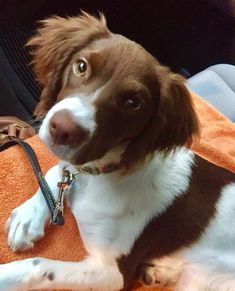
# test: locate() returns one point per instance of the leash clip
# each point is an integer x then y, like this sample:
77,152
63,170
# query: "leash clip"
64,187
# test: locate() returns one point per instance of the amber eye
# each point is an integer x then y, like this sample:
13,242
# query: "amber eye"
80,67
133,103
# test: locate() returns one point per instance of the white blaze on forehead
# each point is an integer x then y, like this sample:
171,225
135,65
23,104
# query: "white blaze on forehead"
81,108
82,111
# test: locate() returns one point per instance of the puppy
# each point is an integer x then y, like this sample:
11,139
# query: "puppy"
146,206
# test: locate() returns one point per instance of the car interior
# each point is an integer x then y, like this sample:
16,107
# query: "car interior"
195,38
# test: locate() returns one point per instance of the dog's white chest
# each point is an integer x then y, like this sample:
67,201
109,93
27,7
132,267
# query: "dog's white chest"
109,216
112,210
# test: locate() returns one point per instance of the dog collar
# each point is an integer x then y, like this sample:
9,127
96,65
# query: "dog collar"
95,170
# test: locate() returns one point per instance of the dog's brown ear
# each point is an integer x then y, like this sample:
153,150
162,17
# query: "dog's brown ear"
176,117
173,124
53,47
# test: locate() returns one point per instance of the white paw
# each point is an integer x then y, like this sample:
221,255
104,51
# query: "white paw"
26,225
158,276
149,276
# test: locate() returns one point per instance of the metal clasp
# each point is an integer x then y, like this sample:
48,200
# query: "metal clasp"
64,186
3,137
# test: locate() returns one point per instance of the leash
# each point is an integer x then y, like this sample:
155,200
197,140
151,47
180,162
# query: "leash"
56,208
12,132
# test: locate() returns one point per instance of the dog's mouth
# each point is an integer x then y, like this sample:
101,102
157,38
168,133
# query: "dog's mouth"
93,150
91,147
71,153
88,151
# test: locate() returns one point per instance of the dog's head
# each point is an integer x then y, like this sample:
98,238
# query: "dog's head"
102,90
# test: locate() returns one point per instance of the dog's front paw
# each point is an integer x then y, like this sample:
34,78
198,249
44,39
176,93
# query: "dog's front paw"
26,225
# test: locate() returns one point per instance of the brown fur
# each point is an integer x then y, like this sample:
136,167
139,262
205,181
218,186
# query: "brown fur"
184,221
125,69
53,47
122,69
173,124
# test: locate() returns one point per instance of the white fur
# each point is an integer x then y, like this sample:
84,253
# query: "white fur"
128,203
111,211
209,264
214,255
82,112
102,205
24,229
165,271
30,274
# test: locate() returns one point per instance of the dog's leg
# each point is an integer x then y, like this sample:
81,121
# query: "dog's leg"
202,277
39,273
26,223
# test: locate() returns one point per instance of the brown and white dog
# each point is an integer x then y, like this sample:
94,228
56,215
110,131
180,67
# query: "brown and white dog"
156,210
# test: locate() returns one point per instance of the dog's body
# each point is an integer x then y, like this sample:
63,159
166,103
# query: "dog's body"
164,214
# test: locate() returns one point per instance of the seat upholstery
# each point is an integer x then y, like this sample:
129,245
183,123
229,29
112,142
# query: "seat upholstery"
216,84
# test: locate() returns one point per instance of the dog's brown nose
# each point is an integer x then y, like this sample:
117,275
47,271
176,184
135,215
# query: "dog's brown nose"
64,130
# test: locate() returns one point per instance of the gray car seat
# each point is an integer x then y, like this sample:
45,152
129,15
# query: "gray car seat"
216,84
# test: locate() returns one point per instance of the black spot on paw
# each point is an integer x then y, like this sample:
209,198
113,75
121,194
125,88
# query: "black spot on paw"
36,262
49,275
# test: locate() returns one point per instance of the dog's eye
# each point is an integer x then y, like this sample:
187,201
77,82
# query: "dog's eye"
80,67
133,103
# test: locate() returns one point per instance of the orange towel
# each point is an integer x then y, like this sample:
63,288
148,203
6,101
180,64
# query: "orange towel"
17,184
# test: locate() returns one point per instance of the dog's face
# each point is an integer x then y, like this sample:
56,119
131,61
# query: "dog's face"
102,90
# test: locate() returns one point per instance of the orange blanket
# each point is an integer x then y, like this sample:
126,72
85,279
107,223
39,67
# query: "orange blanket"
17,183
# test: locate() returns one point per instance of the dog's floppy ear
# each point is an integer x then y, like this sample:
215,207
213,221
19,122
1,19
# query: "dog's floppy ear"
53,47
176,117
174,122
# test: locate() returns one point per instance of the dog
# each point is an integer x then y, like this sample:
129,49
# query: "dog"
146,206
